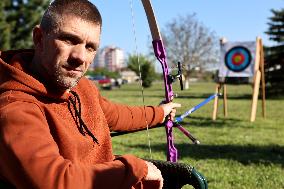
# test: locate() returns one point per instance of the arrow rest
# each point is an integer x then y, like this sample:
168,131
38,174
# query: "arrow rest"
172,78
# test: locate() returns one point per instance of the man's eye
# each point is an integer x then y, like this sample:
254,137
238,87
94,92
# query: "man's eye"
69,41
91,48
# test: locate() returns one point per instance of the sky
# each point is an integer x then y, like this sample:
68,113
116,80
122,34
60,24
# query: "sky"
237,20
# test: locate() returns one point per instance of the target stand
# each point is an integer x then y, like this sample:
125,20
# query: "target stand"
242,60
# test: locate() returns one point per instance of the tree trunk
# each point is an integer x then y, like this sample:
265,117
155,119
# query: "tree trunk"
186,81
186,84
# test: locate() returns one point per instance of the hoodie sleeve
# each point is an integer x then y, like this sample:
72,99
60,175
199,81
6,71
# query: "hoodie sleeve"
126,118
30,158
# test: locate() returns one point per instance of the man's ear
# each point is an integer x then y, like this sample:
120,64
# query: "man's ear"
37,37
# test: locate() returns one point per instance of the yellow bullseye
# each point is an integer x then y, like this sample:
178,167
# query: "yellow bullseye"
237,58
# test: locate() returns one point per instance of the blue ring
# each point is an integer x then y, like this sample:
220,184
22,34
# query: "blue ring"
238,49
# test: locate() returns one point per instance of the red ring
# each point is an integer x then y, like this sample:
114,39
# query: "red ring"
238,59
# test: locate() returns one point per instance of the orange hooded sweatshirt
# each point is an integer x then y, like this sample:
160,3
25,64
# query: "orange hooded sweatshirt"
44,143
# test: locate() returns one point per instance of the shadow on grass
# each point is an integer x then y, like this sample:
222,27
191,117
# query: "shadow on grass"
203,96
245,154
206,95
194,122
198,121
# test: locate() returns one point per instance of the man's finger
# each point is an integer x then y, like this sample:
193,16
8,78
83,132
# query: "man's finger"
175,105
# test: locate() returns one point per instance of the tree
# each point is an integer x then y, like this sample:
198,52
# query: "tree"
4,28
146,67
274,55
18,17
190,42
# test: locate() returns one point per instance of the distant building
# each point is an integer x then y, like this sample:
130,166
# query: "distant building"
129,76
111,58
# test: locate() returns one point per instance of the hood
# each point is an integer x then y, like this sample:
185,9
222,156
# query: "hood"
15,75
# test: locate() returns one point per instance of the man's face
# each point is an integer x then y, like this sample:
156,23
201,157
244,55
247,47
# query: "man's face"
67,53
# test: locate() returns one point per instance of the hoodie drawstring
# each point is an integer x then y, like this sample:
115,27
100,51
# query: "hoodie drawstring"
77,116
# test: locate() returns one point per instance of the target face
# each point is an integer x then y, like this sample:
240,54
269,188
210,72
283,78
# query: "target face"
238,58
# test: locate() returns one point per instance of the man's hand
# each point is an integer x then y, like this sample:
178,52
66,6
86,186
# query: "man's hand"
154,175
170,109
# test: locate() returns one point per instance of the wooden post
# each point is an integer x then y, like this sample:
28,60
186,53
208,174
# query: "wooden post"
225,100
219,86
259,75
255,96
262,80
215,109
257,58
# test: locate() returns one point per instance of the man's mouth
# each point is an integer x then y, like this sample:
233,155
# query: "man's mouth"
73,71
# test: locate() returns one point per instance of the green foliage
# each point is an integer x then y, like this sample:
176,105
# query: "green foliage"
274,56
276,26
147,69
234,153
103,71
17,20
4,28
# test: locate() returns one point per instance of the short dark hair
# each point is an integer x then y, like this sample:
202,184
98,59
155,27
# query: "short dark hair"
79,8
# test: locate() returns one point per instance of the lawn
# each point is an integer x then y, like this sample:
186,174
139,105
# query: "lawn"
234,153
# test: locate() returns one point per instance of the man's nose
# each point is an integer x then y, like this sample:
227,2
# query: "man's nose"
79,54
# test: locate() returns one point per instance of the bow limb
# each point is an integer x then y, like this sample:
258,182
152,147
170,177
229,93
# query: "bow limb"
160,54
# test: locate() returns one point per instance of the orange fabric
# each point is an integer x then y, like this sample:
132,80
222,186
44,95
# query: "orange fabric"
40,144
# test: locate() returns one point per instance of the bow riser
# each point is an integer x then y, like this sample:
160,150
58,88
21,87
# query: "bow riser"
160,54
172,153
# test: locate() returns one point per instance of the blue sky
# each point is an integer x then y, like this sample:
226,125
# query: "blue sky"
237,20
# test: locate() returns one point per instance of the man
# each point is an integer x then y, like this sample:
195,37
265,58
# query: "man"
54,124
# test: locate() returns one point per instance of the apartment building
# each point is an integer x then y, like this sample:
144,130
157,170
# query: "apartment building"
110,57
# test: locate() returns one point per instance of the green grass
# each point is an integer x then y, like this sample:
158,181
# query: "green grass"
234,153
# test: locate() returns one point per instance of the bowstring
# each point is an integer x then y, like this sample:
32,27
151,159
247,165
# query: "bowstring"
140,75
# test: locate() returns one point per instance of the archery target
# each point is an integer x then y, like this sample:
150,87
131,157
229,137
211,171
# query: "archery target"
237,59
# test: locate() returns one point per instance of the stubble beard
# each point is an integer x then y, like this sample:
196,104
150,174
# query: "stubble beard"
64,81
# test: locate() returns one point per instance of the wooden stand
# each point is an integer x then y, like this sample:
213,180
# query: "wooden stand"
218,89
258,76
258,81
